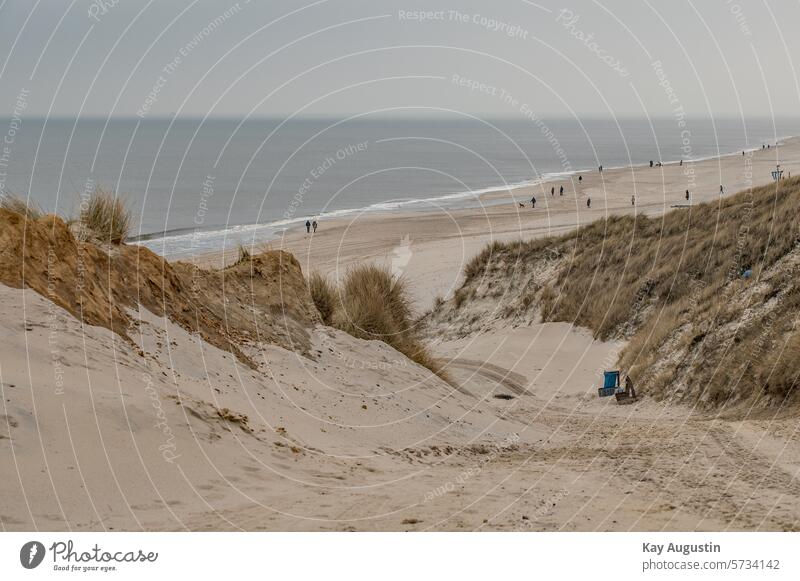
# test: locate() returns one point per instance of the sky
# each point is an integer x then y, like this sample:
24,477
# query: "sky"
336,58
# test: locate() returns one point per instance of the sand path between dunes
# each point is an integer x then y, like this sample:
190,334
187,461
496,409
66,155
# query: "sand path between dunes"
328,446
580,463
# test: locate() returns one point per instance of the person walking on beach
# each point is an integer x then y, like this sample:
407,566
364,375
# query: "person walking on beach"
721,190
561,191
588,202
651,163
633,199
533,202
553,191
308,226
580,178
314,225
687,195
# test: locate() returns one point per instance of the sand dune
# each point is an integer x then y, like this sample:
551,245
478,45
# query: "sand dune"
309,444
167,427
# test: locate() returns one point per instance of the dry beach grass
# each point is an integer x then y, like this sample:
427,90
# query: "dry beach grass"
706,295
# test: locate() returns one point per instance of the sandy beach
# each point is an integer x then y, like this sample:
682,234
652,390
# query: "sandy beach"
430,247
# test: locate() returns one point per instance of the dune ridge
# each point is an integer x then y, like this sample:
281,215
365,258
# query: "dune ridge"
706,296
263,298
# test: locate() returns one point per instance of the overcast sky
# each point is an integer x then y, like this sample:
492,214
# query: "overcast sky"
336,57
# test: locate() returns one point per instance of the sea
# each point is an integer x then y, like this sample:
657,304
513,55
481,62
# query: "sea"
199,185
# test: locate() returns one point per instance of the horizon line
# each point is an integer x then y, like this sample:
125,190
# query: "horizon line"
437,116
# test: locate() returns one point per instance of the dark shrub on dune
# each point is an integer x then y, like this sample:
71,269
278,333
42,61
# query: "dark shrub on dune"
106,217
373,304
323,293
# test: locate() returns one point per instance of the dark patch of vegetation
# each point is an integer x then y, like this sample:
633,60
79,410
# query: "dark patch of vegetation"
106,217
371,303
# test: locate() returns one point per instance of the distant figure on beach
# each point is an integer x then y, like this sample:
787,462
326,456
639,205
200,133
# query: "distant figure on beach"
762,146
681,163
580,178
533,202
687,195
742,153
767,145
553,191
633,199
651,163
721,189
308,226
561,191
601,169
588,202
314,225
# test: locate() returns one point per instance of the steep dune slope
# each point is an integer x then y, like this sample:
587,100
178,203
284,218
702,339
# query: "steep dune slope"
95,436
708,296
264,298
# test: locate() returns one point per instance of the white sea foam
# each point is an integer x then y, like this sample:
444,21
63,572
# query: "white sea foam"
185,243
